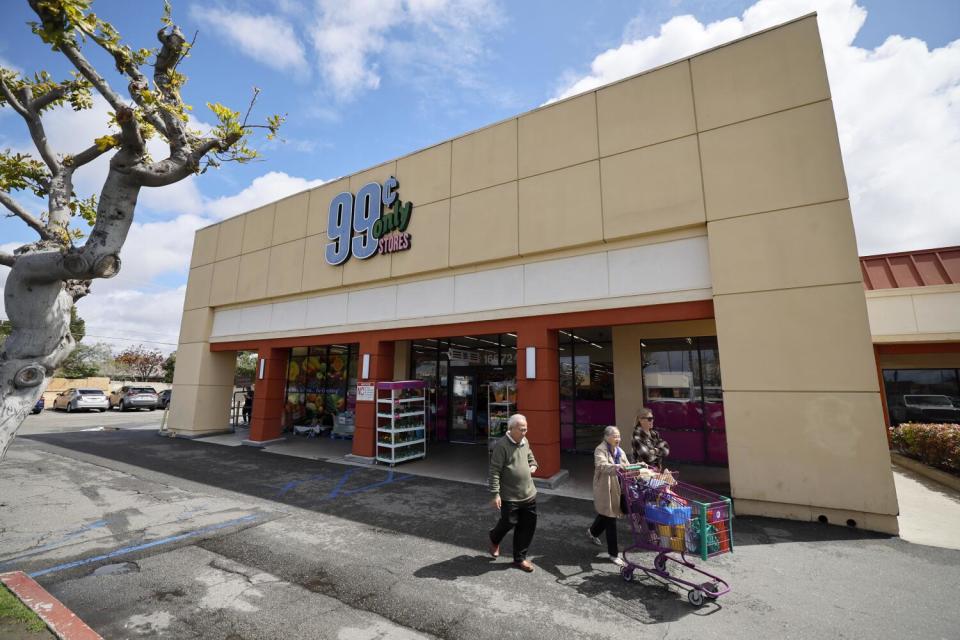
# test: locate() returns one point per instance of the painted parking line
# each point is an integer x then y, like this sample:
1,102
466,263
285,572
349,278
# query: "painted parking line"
338,489
146,545
343,479
389,479
293,484
62,541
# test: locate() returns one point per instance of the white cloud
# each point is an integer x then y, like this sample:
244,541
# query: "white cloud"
6,64
125,317
429,37
897,108
267,39
265,189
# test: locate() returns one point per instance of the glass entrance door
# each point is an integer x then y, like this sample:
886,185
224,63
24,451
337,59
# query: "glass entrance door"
463,406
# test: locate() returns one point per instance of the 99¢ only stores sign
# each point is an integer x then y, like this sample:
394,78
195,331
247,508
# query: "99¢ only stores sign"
374,222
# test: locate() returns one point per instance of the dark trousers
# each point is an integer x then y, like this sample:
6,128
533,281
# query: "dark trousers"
608,524
523,516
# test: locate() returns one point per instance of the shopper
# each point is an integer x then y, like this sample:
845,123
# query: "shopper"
247,404
648,446
511,482
607,458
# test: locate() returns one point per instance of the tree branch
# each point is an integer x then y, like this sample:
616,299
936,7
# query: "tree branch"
12,99
174,168
22,105
24,215
87,71
173,48
39,104
7,259
89,154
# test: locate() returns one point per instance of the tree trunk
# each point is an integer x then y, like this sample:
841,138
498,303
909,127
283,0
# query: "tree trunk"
42,286
39,342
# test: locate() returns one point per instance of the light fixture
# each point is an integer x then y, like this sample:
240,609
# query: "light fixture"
531,363
263,364
366,366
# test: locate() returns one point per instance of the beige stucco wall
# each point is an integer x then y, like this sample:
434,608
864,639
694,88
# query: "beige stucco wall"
739,142
915,314
805,424
202,380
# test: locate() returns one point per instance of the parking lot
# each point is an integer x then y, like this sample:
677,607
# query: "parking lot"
145,536
50,421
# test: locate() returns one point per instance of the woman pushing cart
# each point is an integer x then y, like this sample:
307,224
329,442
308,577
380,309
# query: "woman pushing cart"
675,519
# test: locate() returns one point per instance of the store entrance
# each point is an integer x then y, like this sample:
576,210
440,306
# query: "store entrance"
470,396
463,405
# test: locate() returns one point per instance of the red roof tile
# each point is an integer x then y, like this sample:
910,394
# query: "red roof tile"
911,268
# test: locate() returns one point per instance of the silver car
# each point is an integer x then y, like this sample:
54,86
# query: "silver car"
81,400
134,398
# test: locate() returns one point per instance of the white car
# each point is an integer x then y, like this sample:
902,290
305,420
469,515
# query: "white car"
81,400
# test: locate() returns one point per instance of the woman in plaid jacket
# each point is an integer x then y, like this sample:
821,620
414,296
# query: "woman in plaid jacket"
648,446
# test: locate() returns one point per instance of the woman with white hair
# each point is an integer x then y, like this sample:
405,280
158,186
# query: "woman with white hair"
607,458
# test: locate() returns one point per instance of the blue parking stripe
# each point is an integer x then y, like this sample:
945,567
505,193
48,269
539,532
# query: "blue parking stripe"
67,537
293,484
147,545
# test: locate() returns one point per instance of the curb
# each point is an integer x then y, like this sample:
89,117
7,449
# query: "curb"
940,477
61,621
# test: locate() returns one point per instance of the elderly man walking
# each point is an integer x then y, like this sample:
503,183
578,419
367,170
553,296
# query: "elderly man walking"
511,482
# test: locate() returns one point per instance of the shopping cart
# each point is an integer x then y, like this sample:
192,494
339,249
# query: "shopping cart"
675,519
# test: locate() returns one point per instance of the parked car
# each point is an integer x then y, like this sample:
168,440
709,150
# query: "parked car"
37,408
164,399
126,398
81,400
929,408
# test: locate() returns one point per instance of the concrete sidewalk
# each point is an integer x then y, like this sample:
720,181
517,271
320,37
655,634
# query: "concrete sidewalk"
929,511
466,463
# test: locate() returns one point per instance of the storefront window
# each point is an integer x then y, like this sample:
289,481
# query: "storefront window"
921,395
586,387
682,386
320,380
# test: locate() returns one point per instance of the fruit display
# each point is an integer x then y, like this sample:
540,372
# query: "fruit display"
319,382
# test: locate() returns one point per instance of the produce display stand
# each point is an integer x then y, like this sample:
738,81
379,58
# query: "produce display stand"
401,427
501,404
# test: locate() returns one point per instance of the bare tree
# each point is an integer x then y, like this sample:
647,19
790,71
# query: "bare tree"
49,275
143,363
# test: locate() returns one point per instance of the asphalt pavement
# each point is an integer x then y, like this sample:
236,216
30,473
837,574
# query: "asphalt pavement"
146,536
50,421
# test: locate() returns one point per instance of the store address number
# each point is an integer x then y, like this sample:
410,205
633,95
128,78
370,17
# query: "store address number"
359,226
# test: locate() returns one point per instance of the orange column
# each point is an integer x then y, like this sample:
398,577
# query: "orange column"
268,397
381,370
539,399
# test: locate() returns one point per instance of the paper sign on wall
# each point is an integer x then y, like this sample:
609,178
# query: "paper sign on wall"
365,392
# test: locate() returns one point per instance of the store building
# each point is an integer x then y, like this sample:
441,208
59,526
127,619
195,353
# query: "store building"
913,301
681,239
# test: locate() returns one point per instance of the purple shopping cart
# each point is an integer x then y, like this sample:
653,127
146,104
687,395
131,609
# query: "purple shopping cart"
675,520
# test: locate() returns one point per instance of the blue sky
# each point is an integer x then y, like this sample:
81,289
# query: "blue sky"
365,82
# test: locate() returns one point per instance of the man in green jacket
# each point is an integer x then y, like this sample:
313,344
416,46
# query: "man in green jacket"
511,482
